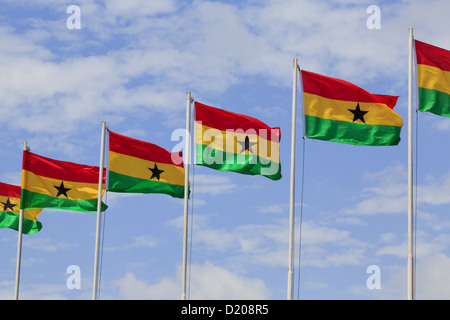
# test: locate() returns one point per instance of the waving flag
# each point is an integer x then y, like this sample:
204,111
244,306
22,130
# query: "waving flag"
10,211
228,141
336,110
137,166
433,76
49,183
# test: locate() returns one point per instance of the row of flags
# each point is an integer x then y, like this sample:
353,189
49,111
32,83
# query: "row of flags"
136,166
334,110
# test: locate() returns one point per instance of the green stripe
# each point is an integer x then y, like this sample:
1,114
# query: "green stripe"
246,164
33,200
127,184
434,101
11,220
351,133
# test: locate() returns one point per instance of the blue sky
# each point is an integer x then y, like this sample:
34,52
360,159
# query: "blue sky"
131,64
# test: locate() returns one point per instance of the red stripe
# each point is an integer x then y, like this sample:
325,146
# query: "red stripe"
432,56
337,89
227,120
60,170
9,190
141,149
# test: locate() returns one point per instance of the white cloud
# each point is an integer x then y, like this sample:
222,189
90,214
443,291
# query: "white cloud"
141,241
432,272
136,8
133,289
6,290
399,250
46,244
267,244
274,208
43,292
388,237
351,221
37,291
205,47
316,234
436,191
213,282
323,247
213,184
388,193
207,282
145,241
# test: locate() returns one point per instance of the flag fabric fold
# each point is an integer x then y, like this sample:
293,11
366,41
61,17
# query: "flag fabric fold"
10,211
229,141
137,166
339,111
433,77
49,183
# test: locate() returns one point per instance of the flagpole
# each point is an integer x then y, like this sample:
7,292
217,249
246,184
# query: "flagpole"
290,286
186,194
410,169
19,240
99,211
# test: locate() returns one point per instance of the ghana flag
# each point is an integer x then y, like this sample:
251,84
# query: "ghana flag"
433,76
137,166
49,183
228,141
336,110
10,211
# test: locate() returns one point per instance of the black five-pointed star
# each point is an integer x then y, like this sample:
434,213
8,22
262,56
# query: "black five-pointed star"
247,145
358,114
156,173
8,205
61,190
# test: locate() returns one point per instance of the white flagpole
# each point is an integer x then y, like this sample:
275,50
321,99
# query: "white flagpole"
410,169
99,211
290,285
186,194
19,240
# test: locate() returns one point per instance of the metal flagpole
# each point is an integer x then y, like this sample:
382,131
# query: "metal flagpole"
410,169
99,211
186,193
290,286
19,238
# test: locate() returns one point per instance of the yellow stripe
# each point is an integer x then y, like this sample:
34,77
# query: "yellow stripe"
28,213
13,201
230,141
378,113
44,185
139,168
433,78
32,214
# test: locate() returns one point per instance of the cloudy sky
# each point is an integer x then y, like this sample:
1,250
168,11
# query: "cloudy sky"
131,64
